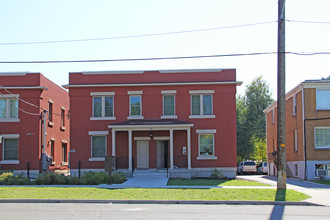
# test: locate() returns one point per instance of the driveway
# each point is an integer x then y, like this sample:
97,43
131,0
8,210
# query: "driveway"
320,193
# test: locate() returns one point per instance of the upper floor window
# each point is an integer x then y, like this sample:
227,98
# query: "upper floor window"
295,140
294,105
135,105
8,108
63,118
322,99
50,110
169,104
103,106
322,137
273,116
201,104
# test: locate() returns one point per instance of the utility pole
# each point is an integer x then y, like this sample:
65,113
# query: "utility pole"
281,122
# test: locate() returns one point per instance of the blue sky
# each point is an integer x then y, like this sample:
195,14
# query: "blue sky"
35,21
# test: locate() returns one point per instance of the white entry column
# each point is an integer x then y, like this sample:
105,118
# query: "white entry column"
171,150
130,150
189,148
113,142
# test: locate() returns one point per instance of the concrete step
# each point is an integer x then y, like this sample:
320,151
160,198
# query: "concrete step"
152,174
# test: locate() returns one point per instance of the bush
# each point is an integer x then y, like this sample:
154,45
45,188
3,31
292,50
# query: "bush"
8,178
94,178
217,174
118,177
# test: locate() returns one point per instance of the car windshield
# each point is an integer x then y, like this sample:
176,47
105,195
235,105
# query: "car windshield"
249,163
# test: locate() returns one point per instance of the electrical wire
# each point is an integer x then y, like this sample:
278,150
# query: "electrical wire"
26,112
29,103
161,58
137,36
310,22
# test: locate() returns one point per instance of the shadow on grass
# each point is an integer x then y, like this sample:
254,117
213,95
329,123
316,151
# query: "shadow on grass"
278,210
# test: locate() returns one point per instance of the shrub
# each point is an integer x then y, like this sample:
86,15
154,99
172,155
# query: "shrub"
94,178
9,178
118,177
217,174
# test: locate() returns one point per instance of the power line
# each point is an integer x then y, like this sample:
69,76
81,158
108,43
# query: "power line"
310,22
29,103
161,58
26,112
137,36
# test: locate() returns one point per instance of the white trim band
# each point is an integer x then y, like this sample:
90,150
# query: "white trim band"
134,92
206,131
201,91
102,93
98,133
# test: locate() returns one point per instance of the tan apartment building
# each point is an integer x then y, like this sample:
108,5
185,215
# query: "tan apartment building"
307,131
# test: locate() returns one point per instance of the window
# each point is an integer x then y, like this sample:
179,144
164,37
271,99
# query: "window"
50,111
52,149
201,104
135,105
10,149
168,105
103,106
322,137
296,169
8,109
294,105
98,146
64,152
295,140
62,118
206,144
273,116
322,99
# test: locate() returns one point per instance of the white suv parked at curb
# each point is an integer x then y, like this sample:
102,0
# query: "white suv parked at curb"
247,167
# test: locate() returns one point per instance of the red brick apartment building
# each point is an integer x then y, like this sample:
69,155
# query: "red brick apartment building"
24,97
307,130
184,120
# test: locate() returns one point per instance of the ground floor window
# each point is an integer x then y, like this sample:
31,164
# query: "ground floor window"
98,146
322,137
206,144
322,169
10,149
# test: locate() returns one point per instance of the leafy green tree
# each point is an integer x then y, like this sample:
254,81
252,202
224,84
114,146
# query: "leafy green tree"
251,120
326,77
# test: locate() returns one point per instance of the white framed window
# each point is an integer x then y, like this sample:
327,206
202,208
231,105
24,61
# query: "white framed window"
169,105
322,137
294,105
135,107
8,108
10,149
202,104
295,140
98,146
322,99
103,106
206,145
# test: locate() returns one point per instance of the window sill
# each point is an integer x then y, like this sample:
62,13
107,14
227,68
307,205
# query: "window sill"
95,159
135,117
102,118
9,120
207,158
63,128
201,116
9,162
322,148
169,117
50,124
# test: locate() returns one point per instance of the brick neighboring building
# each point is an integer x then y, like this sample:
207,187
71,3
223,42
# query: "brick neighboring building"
184,120
307,130
21,127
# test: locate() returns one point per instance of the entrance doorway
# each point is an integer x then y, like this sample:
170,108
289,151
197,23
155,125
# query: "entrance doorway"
162,154
143,154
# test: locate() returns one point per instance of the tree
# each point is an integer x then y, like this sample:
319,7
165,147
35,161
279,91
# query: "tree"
326,77
251,120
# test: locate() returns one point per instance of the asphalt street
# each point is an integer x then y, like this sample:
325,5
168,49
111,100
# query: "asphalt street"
29,211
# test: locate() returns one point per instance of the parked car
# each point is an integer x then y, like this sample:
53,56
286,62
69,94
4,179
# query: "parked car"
262,168
247,167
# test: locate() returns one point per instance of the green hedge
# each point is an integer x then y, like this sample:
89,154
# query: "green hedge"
90,178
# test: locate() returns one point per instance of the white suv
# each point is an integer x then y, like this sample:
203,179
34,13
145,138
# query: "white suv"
247,167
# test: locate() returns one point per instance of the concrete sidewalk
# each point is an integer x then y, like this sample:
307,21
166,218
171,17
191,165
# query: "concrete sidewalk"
320,193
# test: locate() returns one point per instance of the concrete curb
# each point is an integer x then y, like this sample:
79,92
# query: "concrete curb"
191,202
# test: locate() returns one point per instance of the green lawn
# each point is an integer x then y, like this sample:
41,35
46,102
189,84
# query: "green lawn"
149,194
326,182
212,182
